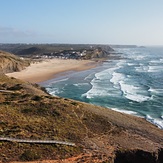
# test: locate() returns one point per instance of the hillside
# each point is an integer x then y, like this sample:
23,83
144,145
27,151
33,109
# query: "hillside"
70,51
28,49
11,63
29,113
100,134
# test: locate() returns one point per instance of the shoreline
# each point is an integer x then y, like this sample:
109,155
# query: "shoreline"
50,68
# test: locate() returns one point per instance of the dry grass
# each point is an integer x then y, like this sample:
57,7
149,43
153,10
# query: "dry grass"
30,113
10,63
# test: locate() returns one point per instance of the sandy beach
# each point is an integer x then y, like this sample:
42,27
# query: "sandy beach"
49,68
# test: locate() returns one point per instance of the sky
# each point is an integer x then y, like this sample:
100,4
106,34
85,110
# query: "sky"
132,22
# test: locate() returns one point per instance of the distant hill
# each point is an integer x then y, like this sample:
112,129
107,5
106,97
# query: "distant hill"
29,51
40,49
10,63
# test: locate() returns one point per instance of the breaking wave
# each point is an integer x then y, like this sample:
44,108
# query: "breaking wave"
131,85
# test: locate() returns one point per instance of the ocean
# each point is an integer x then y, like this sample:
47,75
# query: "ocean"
132,84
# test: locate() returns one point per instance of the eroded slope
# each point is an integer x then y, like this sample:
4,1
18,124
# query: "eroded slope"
11,63
27,112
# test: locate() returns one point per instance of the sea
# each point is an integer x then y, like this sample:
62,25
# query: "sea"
131,84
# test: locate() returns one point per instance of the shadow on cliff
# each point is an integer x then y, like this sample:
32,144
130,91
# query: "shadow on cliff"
138,156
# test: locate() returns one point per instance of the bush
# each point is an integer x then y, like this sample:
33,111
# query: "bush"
27,110
15,87
30,155
36,98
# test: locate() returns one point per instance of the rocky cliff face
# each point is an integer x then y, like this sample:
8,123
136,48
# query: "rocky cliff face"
11,63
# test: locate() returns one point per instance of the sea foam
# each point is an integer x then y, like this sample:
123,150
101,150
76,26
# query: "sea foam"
154,90
100,84
157,122
133,93
116,77
142,68
155,68
124,111
81,84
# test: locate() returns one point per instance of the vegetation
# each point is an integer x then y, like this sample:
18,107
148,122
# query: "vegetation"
29,49
100,135
39,116
11,63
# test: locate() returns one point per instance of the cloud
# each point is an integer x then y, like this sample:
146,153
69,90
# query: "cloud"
14,35
13,32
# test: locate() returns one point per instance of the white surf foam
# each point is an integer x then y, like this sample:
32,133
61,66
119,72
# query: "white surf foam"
121,63
142,68
80,84
94,93
157,61
116,77
152,90
88,77
157,122
124,111
155,68
130,64
132,92
53,91
59,80
105,74
138,57
100,84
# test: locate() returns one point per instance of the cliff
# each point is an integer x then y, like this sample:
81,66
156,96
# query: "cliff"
11,63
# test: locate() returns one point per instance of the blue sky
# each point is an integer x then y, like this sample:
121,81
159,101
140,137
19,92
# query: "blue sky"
137,22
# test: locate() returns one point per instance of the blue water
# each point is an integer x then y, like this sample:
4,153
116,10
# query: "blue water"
132,85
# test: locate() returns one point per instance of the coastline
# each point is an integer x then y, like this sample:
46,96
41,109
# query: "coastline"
49,68
41,112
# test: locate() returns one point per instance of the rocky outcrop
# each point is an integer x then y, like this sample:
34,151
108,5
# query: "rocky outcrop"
98,53
11,63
